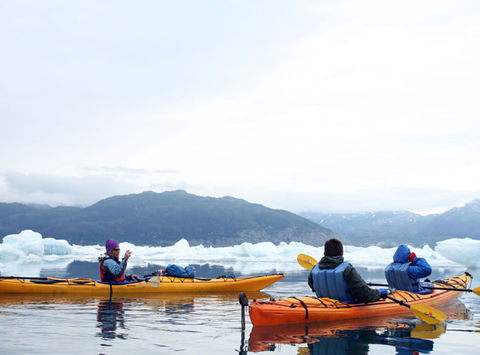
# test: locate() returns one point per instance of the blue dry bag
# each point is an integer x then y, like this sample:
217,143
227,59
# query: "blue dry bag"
175,270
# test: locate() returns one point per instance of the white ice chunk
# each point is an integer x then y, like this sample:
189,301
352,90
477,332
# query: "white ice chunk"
28,247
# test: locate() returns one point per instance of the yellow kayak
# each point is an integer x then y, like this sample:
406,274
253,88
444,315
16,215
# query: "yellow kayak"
156,284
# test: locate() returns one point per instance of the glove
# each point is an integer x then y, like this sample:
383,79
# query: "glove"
412,256
385,292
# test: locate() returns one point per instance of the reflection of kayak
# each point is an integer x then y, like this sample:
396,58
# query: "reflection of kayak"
162,284
150,299
307,332
341,335
306,309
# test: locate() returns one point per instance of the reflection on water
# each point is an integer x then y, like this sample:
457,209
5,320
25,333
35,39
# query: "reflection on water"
358,341
355,336
110,315
324,338
210,324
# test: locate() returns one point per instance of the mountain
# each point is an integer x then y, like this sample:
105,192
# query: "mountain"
393,228
162,219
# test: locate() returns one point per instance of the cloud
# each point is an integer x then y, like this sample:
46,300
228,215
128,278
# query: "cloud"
352,105
126,171
60,190
84,190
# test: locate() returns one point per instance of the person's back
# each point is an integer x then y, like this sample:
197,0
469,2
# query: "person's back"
334,278
406,270
328,279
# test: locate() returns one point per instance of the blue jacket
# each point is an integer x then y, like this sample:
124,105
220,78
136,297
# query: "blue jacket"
404,274
113,270
111,267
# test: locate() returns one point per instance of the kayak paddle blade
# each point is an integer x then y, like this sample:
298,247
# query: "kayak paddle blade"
154,281
476,291
306,261
428,314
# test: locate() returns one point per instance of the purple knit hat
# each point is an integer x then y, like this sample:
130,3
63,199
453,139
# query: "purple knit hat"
110,245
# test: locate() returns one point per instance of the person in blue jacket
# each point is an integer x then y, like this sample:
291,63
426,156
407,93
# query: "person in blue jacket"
406,270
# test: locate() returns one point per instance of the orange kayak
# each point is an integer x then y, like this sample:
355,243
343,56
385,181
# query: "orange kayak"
308,309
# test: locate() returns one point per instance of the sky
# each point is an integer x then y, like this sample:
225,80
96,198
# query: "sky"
329,106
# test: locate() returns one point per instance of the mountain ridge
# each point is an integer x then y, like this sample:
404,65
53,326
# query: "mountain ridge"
151,218
389,228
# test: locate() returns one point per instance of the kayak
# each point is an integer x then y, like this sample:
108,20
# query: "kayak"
308,309
155,284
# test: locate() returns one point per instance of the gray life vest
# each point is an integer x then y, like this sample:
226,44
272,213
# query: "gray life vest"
330,283
397,277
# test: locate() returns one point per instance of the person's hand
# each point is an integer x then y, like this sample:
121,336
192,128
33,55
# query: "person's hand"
134,277
127,254
385,292
412,256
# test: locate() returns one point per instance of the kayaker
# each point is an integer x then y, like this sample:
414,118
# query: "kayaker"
334,278
111,269
406,270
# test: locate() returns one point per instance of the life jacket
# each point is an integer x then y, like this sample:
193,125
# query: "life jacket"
108,277
330,283
397,277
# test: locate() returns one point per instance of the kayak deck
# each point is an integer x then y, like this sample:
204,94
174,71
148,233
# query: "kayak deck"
156,284
306,309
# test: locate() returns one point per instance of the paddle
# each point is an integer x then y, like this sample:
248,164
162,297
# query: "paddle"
306,261
46,280
38,278
426,313
154,281
476,290
309,262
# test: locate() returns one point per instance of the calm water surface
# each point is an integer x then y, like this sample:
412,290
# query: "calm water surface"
210,324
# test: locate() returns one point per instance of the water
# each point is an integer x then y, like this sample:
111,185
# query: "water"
210,324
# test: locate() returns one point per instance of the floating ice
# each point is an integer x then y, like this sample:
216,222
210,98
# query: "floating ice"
464,251
29,251
53,246
27,244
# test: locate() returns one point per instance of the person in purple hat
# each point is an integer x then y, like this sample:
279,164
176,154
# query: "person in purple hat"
111,268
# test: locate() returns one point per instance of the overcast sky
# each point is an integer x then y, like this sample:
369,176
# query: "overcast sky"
334,106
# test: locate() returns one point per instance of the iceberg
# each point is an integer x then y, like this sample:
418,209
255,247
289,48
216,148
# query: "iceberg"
464,251
29,251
